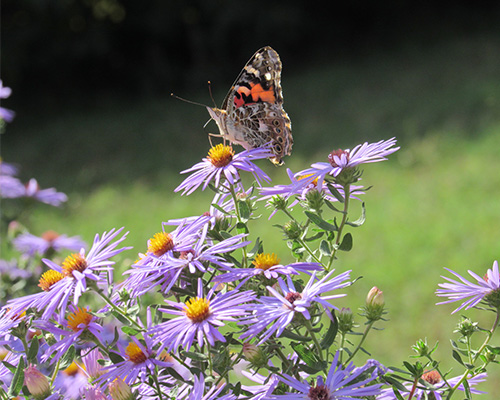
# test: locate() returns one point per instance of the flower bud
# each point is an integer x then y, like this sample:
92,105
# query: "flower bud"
466,327
278,202
37,383
255,355
292,230
346,320
375,303
119,390
314,200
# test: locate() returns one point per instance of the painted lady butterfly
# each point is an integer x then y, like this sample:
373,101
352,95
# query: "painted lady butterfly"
252,113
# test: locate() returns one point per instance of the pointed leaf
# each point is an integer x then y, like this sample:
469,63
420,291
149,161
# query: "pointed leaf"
335,193
324,248
330,335
33,350
17,380
244,211
316,219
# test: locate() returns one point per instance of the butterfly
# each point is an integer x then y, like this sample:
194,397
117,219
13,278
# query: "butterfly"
252,114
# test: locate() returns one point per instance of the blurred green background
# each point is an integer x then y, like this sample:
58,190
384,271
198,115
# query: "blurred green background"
91,87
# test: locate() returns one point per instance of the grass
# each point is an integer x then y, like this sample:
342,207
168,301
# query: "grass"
434,204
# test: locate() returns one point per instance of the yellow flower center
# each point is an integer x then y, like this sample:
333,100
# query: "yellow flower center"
220,155
265,261
48,279
72,370
197,309
79,316
135,354
314,182
74,262
160,243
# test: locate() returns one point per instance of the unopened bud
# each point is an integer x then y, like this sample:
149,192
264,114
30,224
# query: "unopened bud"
292,230
119,390
346,320
255,355
374,304
278,202
37,383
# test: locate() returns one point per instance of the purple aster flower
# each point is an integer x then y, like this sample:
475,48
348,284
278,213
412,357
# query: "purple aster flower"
5,114
10,269
223,163
70,279
71,381
93,393
167,270
139,360
437,388
8,168
340,383
268,266
48,196
81,326
487,288
92,367
164,255
301,185
200,318
279,310
11,187
50,240
265,385
344,159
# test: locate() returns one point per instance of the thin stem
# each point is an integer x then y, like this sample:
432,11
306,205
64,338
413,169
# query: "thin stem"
474,359
238,217
347,196
119,311
157,383
309,328
365,334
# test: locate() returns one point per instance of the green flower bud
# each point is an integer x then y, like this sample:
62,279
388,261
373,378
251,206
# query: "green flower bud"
293,230
375,303
346,320
255,355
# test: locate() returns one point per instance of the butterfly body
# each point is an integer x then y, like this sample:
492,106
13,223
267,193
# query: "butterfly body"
252,114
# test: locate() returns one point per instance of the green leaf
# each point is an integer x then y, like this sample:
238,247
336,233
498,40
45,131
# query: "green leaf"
257,248
17,380
324,248
332,207
361,220
335,193
33,350
195,356
241,227
115,358
316,219
129,330
305,354
346,244
330,335
244,211
290,335
457,357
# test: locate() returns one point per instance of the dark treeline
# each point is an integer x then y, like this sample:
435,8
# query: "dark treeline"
156,46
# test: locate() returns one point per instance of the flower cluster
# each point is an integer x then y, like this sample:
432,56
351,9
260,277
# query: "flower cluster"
204,312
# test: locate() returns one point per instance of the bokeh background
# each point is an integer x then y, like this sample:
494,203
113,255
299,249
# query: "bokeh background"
91,84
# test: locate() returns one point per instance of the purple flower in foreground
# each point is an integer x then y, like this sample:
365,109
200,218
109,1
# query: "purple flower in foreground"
344,159
487,288
268,266
340,383
139,361
200,318
222,163
50,240
5,114
81,324
438,387
70,279
278,311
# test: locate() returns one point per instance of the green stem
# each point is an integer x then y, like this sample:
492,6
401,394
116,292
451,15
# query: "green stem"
347,194
119,311
309,328
474,359
311,253
238,217
365,334
54,374
157,383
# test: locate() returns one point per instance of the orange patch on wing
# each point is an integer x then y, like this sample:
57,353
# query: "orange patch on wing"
256,93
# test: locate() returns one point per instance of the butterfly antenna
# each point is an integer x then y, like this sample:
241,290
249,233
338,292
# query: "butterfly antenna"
187,101
211,95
